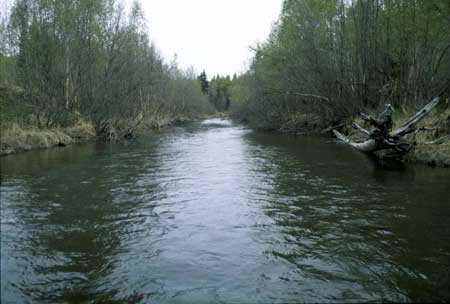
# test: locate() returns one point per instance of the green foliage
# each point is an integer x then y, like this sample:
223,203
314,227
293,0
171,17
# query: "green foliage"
220,93
331,58
86,58
13,109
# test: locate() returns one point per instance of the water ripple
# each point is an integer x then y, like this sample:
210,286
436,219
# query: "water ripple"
214,212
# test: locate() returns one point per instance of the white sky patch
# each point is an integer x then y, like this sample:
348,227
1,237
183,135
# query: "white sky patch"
214,35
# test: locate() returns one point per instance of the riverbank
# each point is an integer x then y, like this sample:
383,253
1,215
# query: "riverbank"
424,151
432,155
16,139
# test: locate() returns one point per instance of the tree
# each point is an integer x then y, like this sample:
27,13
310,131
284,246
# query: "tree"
204,82
325,60
88,59
220,92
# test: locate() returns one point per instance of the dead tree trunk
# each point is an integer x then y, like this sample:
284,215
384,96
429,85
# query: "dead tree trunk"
383,142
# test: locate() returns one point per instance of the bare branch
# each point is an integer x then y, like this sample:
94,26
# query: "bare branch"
277,91
369,145
307,95
425,129
333,128
410,123
439,140
360,129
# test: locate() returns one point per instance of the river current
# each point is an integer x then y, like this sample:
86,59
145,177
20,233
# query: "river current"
213,212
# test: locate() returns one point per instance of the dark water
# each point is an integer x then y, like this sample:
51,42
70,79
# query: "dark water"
213,212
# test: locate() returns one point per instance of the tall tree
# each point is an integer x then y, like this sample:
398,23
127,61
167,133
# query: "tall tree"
204,82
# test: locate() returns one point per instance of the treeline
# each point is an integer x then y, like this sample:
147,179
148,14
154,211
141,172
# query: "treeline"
68,60
218,90
325,60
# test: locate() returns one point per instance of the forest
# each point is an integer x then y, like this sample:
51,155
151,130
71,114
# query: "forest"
87,62
326,60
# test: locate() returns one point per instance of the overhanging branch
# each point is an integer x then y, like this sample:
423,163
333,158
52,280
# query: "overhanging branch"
280,92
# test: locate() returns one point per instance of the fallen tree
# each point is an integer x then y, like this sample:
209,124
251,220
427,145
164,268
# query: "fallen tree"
383,142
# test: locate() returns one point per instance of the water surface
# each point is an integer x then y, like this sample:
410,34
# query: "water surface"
213,212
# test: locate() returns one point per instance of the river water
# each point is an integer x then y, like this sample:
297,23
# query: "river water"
212,212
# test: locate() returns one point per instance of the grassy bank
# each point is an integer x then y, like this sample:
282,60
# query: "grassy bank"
426,152
432,155
16,139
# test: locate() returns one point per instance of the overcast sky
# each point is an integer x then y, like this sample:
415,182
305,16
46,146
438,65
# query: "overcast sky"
214,35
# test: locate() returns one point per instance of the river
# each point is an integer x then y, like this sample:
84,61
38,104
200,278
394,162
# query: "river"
213,212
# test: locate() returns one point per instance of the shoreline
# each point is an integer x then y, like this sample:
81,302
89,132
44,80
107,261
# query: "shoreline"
16,140
433,155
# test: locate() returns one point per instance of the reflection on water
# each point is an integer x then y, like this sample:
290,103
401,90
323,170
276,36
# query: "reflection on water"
214,212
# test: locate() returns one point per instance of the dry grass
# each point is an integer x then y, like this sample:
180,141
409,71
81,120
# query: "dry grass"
16,139
433,154
82,131
159,121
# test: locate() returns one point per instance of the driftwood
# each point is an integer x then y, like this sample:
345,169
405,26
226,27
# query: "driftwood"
333,128
381,140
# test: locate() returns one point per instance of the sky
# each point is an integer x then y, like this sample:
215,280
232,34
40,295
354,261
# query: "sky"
210,35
